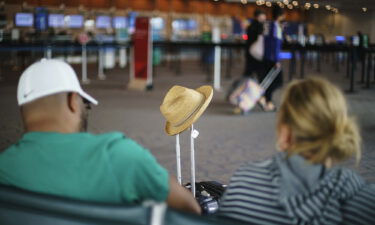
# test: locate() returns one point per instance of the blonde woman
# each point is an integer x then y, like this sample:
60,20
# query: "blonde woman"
302,184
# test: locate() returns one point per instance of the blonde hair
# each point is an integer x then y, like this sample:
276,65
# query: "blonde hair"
316,112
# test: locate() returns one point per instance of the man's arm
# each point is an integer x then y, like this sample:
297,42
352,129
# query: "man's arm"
180,198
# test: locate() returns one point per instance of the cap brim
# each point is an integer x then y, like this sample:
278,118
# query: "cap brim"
88,98
207,91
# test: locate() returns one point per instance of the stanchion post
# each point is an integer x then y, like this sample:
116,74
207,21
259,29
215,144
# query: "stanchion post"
369,65
351,89
48,53
101,74
217,58
85,80
348,63
122,57
319,68
363,60
229,63
302,72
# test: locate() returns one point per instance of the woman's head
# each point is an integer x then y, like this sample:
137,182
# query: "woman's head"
313,121
277,13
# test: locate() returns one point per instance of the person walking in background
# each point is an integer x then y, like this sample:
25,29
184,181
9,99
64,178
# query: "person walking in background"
254,48
272,48
302,184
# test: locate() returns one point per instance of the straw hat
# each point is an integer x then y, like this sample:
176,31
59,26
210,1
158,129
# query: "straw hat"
183,106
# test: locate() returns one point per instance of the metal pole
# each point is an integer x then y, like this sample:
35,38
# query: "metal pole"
85,80
363,59
178,159
369,65
49,52
351,89
303,53
192,160
318,55
101,74
348,63
229,63
122,57
217,67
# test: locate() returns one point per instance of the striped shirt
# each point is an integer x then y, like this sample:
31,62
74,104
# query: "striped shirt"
340,196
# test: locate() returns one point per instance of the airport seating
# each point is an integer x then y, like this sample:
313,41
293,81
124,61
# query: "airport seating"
19,206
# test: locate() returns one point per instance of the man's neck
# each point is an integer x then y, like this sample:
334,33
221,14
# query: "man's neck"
45,126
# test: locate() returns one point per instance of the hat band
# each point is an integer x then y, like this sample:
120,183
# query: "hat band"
190,115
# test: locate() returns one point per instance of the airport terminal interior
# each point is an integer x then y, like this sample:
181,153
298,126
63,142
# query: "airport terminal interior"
127,54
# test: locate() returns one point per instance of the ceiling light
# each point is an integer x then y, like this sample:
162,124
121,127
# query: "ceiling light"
364,9
244,2
269,4
286,2
295,3
290,7
328,7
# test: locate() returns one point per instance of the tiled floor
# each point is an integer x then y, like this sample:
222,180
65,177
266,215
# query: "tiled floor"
225,140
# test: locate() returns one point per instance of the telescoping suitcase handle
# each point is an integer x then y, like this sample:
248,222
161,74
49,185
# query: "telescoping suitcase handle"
270,77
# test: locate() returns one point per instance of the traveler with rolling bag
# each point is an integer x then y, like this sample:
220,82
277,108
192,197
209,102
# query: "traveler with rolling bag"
254,50
273,39
182,107
249,93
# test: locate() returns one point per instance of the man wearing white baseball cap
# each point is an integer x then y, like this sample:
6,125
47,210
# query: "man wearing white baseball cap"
56,156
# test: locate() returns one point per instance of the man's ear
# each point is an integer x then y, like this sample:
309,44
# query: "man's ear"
284,138
73,101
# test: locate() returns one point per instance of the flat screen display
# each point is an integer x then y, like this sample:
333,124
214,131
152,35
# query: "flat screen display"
56,20
120,22
191,24
157,23
73,21
24,19
179,24
103,22
340,38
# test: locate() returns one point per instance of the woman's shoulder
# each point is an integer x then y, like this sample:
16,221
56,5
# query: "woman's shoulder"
265,168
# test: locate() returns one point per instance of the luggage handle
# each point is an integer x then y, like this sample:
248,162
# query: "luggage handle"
193,134
270,77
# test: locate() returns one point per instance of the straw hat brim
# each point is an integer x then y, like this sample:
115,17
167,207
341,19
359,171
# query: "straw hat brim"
173,130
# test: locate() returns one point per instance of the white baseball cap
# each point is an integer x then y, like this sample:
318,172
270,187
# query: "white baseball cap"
47,77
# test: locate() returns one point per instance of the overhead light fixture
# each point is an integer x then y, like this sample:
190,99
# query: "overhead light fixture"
328,7
316,6
286,2
364,9
244,2
269,4
290,6
295,3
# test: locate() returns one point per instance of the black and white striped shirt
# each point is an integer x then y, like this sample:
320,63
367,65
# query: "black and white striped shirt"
340,196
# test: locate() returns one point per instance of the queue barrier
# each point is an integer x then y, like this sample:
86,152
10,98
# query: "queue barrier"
19,206
298,53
